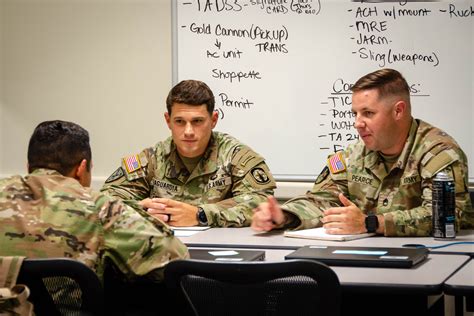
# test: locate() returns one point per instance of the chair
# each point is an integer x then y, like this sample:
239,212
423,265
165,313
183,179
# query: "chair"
62,286
292,287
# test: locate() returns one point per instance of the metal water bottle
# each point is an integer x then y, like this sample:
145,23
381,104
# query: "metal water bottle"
444,207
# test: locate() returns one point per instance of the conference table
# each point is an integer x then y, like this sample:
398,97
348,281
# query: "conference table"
461,285
421,286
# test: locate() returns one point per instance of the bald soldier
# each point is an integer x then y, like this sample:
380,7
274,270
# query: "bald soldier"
382,183
197,176
51,212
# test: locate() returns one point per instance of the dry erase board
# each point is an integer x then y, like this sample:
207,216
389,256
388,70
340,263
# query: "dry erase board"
281,70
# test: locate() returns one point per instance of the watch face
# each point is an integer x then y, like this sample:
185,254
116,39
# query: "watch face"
371,223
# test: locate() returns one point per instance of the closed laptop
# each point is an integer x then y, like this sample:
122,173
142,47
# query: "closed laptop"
226,255
362,256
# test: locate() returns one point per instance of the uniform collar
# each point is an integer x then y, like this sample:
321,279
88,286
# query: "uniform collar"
373,161
176,168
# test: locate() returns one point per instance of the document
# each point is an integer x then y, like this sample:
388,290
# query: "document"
195,228
320,233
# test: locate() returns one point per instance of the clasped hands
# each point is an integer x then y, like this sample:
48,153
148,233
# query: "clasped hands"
172,212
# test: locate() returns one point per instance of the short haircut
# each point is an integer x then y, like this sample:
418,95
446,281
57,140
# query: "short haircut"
58,145
191,92
388,82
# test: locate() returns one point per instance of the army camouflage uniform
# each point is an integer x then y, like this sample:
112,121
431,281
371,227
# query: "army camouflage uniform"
46,214
228,182
402,194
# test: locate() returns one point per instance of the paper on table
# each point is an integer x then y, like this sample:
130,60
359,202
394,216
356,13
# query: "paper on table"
198,228
320,233
185,233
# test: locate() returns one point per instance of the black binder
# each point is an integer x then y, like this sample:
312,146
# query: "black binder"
226,255
362,256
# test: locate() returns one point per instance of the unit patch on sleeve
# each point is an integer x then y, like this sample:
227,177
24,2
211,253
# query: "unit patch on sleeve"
336,163
116,175
260,175
131,163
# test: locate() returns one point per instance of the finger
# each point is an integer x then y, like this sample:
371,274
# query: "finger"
345,201
163,217
154,211
167,202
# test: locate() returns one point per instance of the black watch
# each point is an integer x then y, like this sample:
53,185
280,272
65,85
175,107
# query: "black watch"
371,223
201,217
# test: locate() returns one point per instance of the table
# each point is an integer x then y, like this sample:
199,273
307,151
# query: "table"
383,285
461,285
245,237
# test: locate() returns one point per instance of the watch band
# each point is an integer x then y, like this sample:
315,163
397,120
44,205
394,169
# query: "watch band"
201,217
371,223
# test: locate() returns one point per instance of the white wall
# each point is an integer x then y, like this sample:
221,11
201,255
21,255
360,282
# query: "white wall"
105,64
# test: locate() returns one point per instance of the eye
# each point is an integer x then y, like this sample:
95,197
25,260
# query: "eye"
179,121
368,113
198,121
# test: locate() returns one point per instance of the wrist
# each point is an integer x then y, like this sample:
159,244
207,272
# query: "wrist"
201,217
371,222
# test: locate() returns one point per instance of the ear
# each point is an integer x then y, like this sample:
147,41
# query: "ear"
168,119
399,109
214,118
82,174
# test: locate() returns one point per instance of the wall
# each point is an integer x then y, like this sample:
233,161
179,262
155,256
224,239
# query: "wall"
105,64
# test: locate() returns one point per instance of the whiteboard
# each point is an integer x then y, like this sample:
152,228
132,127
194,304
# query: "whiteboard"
281,70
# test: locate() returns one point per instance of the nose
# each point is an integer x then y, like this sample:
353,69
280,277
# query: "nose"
188,130
359,122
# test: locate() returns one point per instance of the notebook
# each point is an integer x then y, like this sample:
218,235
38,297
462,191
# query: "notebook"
320,233
227,255
362,256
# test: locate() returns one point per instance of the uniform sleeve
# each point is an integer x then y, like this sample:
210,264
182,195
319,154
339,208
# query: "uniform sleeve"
252,183
138,244
418,221
324,194
128,183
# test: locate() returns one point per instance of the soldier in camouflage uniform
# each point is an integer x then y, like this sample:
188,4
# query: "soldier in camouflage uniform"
51,212
385,178
196,176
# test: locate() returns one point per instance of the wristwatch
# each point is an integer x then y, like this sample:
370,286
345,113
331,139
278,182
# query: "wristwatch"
201,217
371,223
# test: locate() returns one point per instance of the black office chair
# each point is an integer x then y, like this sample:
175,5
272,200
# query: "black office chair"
62,287
293,287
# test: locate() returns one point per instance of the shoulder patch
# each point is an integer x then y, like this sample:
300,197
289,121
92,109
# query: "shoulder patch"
116,175
323,175
441,161
259,175
336,163
131,163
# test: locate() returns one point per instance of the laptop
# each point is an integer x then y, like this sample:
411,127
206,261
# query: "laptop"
362,256
226,255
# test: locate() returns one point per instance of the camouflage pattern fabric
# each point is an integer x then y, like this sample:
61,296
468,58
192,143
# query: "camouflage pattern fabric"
48,215
402,194
228,182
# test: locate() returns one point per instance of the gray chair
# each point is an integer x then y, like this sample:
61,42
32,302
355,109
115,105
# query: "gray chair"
292,287
61,286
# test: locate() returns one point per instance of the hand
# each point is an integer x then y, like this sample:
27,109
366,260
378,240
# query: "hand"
347,219
171,212
267,215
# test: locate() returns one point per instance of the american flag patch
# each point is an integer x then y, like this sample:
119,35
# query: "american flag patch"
131,163
336,163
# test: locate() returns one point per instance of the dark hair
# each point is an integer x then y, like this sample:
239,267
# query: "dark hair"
58,145
388,82
192,92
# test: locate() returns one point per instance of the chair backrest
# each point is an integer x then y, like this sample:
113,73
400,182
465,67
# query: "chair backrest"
292,287
61,286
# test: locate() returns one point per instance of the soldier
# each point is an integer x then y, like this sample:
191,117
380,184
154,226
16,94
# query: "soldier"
197,176
51,212
383,182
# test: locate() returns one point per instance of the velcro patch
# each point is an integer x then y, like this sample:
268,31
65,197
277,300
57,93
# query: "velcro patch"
131,163
336,163
116,175
259,175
